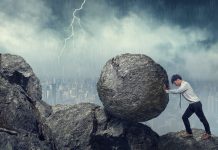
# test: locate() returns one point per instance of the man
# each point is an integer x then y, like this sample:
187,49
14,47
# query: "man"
195,105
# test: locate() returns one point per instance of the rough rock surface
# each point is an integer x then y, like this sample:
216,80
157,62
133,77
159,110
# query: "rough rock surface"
17,71
22,142
172,141
86,126
131,87
44,109
20,121
16,110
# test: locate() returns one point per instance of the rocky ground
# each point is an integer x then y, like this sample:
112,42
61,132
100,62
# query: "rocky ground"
172,141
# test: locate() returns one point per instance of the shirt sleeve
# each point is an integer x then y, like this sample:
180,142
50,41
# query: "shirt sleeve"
181,89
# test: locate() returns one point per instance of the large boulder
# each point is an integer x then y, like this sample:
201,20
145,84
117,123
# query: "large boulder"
16,109
20,120
131,87
22,142
18,72
173,140
87,126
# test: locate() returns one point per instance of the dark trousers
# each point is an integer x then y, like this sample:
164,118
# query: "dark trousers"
197,109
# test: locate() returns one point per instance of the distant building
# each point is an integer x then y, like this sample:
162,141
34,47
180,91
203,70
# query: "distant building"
71,91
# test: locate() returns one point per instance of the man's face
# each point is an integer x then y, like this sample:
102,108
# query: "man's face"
177,82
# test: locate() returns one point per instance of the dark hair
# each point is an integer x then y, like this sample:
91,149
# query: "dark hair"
175,77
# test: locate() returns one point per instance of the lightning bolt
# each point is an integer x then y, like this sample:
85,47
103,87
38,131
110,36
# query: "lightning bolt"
74,19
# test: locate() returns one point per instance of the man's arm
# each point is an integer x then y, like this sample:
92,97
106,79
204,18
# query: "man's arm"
181,89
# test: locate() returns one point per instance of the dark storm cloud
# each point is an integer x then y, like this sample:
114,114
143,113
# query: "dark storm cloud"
185,13
196,13
177,34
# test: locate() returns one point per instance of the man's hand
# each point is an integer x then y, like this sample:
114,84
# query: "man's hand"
165,88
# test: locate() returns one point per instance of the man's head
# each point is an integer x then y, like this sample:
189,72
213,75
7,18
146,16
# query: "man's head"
176,79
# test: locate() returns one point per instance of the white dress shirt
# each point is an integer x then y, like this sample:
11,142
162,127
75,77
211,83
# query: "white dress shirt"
187,92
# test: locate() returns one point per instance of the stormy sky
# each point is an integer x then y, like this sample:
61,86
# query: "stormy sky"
180,35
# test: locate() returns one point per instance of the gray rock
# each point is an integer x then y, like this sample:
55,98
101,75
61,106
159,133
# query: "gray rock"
22,142
59,107
20,120
16,110
172,141
44,109
131,87
86,126
17,71
20,124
